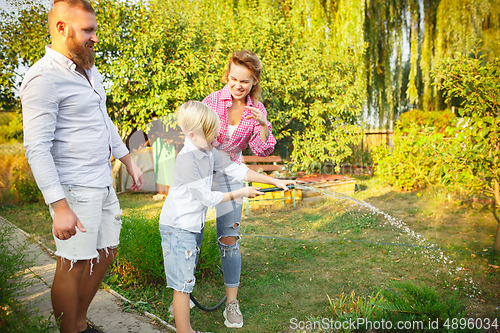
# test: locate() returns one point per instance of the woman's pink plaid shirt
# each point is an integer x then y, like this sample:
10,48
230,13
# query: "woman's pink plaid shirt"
248,131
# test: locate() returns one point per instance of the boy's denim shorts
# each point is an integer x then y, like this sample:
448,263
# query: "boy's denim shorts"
180,256
99,211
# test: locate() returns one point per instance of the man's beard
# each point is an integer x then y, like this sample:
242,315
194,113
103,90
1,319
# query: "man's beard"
79,53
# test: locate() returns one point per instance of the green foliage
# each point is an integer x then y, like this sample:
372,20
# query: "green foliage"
402,302
140,256
15,317
411,163
472,159
11,127
158,54
209,258
407,302
437,121
23,35
24,187
349,307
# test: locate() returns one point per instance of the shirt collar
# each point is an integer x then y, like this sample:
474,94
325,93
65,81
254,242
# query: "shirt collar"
226,95
60,58
199,153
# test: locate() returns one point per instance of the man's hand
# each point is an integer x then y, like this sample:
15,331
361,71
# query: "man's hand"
134,171
65,220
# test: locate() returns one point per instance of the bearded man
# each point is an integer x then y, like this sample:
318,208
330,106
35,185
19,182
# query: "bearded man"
69,140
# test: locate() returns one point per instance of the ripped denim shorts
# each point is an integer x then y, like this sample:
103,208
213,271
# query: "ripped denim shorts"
180,256
99,212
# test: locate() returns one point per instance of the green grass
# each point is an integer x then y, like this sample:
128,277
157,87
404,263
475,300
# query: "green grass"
16,317
329,248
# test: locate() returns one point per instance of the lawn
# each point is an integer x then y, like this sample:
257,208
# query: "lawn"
294,260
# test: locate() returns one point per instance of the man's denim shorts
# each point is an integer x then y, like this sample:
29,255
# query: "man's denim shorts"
99,212
180,256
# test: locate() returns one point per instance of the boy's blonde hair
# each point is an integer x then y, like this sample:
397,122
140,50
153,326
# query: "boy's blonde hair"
195,116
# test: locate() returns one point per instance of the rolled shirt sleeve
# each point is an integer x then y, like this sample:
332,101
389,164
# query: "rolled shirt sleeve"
258,146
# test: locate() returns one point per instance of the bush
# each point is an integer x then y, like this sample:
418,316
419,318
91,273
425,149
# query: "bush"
11,127
210,253
420,142
140,255
410,303
24,187
438,121
15,317
403,302
410,164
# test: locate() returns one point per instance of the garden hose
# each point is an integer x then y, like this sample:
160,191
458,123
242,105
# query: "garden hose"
275,189
213,308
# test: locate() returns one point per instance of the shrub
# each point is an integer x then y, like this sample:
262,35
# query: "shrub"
411,303
140,255
403,302
416,159
210,253
349,307
15,317
24,187
438,121
11,127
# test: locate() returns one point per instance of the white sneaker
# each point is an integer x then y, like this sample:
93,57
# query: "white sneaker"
171,308
232,315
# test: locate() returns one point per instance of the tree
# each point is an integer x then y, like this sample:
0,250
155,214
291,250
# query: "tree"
473,158
155,55
23,34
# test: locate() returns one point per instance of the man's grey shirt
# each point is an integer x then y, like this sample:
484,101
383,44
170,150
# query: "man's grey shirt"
68,135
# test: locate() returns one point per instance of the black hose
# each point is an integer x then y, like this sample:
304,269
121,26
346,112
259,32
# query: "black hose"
213,308
275,189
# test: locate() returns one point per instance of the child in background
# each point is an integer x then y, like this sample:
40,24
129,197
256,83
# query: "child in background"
183,214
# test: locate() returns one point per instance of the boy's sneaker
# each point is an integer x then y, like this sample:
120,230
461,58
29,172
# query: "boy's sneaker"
233,315
171,308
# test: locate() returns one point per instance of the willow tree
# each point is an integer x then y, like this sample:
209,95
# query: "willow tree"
396,83
452,27
387,23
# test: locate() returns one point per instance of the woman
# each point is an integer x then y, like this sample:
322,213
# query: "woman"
243,123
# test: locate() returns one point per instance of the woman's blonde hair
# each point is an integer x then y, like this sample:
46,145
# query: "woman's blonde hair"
251,61
195,116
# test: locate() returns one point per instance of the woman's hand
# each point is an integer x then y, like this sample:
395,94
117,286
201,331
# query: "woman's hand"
283,182
257,115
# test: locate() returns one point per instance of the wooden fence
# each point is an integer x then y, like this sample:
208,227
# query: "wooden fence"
376,137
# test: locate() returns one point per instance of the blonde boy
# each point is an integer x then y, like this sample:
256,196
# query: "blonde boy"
183,214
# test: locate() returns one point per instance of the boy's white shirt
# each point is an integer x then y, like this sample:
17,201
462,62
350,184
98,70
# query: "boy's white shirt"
191,193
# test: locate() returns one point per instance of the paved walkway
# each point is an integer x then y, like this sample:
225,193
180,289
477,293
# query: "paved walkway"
104,312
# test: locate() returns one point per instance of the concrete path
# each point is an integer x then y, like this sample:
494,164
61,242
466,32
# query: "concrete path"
104,312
